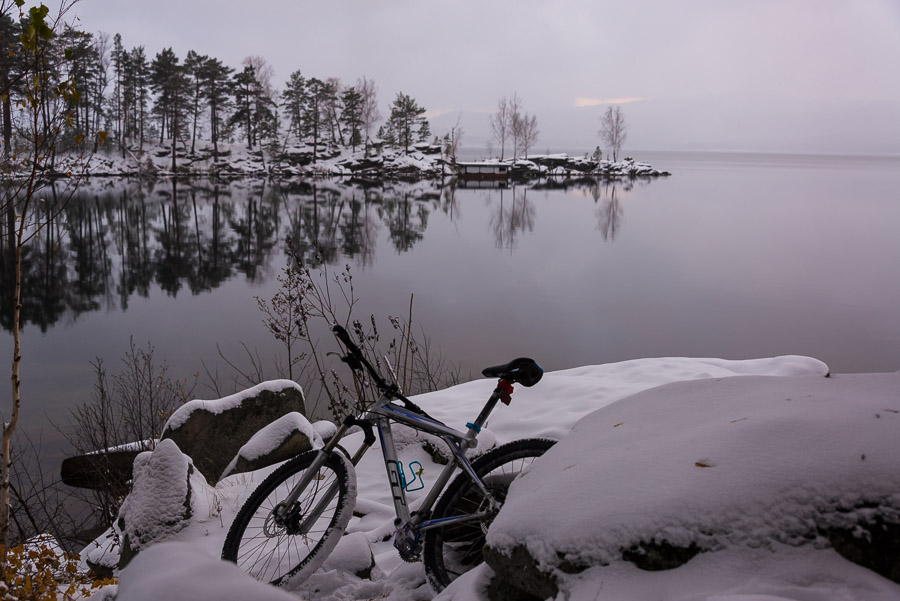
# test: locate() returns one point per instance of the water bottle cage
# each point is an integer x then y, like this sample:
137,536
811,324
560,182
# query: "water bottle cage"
416,476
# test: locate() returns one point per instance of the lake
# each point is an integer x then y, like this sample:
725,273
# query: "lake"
733,256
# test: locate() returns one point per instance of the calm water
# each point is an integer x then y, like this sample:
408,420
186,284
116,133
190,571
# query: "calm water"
734,256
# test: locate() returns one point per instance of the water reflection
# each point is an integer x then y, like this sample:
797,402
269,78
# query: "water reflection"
609,211
514,214
116,240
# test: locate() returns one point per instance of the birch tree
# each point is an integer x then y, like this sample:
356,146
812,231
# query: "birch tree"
369,113
45,105
613,130
500,125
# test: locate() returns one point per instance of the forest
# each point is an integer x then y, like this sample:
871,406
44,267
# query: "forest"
134,98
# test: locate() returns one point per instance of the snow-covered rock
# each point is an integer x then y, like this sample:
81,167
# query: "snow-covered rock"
213,432
353,555
161,502
712,465
286,437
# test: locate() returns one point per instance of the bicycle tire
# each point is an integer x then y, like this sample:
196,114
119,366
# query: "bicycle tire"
452,550
269,552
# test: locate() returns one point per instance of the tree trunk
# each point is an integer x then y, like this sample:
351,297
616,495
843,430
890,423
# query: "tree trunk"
7,118
9,428
214,133
172,130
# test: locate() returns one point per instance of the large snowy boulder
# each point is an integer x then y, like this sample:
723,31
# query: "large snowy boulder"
212,432
109,469
161,502
711,466
286,437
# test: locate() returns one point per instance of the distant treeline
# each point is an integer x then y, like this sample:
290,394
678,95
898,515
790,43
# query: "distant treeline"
138,100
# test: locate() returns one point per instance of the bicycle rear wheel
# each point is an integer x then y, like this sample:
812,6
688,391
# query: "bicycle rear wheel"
277,550
452,550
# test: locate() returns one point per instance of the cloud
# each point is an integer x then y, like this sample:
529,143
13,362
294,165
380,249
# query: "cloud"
433,113
581,102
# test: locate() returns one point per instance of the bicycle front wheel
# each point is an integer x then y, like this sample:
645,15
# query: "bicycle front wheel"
452,550
276,550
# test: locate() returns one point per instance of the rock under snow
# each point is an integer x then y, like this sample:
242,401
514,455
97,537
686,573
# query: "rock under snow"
286,437
696,467
353,555
212,432
159,505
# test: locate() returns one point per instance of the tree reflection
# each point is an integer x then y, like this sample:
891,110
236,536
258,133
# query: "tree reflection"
610,212
255,223
117,240
512,217
406,220
359,229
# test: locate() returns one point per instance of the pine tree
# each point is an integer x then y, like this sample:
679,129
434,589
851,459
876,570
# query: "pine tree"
406,119
315,116
215,80
353,106
424,131
193,67
135,78
118,53
162,77
11,64
294,97
172,86
244,100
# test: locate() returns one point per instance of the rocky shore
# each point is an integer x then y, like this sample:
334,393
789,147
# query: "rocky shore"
423,161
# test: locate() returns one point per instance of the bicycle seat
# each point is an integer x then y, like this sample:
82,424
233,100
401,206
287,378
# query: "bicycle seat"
523,371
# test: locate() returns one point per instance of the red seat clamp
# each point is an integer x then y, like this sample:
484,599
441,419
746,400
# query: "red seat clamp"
506,391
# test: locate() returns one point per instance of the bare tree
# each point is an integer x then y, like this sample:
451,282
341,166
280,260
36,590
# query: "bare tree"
264,74
515,122
612,130
45,108
370,115
528,133
500,125
452,139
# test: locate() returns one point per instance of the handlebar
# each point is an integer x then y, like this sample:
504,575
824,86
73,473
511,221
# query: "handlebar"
357,361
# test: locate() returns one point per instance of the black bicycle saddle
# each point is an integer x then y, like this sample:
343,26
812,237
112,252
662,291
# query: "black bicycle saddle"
522,371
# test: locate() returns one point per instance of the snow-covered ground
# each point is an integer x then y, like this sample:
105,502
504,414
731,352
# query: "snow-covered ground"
234,160
692,458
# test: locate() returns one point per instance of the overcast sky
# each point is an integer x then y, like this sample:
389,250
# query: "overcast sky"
770,75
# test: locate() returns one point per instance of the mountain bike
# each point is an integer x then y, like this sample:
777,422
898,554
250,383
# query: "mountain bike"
297,515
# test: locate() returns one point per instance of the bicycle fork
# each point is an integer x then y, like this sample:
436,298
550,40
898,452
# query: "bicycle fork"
285,510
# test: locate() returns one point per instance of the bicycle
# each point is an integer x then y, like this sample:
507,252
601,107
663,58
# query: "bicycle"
296,516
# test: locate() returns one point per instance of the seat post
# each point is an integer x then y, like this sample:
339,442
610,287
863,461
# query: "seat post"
501,393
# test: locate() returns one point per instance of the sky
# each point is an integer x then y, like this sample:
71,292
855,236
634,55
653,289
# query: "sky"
749,75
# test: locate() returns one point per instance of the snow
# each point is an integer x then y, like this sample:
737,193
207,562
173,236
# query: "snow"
156,510
737,462
654,441
180,416
272,436
177,571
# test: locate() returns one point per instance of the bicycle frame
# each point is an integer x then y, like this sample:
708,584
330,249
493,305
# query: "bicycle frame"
380,415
